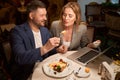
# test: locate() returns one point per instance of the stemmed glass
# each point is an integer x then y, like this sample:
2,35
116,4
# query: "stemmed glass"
22,2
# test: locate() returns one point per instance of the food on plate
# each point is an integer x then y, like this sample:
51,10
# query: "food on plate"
117,62
63,32
87,70
58,66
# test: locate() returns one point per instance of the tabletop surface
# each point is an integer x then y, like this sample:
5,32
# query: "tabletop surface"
38,73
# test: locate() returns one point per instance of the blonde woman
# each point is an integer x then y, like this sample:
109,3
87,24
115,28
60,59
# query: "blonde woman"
74,31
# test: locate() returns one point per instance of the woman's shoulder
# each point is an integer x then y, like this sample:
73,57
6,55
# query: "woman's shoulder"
55,23
83,25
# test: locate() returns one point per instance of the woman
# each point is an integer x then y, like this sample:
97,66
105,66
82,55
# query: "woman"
74,31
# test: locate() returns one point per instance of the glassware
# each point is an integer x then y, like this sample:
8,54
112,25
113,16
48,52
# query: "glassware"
22,2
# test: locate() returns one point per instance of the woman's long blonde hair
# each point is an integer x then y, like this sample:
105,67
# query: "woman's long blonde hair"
76,9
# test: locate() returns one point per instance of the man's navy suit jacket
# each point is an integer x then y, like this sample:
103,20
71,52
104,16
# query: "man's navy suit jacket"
23,48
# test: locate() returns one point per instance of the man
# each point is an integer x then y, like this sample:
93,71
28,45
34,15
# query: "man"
31,41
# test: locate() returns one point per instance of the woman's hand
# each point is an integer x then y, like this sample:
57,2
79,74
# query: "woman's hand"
95,44
62,49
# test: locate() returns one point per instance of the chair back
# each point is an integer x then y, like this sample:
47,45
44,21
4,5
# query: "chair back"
94,16
113,23
4,40
7,27
90,33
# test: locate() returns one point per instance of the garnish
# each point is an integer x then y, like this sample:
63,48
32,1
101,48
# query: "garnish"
58,66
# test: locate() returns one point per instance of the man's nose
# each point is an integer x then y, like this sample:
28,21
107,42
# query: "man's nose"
45,18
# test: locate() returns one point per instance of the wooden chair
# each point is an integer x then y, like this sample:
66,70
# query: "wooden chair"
95,18
113,24
5,48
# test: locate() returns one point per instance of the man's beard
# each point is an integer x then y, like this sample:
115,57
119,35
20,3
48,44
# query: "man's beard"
38,24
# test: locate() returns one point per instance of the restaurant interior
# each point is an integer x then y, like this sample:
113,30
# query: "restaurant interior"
102,18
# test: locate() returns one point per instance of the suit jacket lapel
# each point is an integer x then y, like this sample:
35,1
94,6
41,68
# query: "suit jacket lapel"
42,36
74,34
30,34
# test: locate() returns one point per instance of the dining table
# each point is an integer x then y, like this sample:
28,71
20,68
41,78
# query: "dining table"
93,66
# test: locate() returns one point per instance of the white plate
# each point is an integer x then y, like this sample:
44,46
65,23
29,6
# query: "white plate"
50,72
81,73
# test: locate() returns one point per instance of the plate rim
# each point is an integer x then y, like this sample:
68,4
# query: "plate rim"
59,76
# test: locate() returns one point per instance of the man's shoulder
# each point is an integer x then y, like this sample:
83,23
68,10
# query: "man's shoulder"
20,28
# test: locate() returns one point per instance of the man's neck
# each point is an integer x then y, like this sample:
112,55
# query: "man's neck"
33,27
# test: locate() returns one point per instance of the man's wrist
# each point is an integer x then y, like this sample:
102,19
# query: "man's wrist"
43,50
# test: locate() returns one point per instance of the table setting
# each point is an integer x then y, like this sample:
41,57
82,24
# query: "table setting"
59,67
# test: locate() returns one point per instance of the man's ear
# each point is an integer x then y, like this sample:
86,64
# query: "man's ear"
31,15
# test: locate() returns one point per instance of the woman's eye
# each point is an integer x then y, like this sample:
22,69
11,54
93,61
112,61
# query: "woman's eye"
70,16
64,15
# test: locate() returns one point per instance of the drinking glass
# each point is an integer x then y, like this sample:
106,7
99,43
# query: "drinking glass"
22,2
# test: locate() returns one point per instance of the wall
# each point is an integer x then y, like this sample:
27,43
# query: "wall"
84,2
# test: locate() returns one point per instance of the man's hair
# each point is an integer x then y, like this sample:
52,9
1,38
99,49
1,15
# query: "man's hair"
34,5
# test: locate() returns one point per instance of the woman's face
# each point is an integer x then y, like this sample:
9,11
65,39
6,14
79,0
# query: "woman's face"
68,17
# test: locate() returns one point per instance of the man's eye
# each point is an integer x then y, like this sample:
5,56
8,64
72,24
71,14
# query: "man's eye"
42,15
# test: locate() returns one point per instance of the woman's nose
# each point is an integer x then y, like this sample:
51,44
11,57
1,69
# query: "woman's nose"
67,17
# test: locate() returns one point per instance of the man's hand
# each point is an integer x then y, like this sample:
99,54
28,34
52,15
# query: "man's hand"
51,43
62,49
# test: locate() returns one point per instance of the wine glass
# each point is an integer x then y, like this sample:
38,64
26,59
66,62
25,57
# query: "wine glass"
22,2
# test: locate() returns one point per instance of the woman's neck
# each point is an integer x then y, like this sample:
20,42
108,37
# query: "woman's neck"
68,28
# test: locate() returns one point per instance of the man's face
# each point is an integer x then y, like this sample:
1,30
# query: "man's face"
38,17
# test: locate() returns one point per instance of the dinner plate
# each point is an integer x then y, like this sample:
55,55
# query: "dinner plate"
52,73
80,72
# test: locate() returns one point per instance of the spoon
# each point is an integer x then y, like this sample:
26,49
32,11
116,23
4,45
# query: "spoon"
78,70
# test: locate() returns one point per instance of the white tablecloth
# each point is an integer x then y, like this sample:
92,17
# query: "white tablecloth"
38,73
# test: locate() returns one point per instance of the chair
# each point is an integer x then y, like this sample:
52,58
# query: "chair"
94,16
113,24
113,36
5,54
90,33
5,43
5,48
5,29
92,12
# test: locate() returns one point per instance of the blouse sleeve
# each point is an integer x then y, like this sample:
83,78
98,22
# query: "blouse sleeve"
84,38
